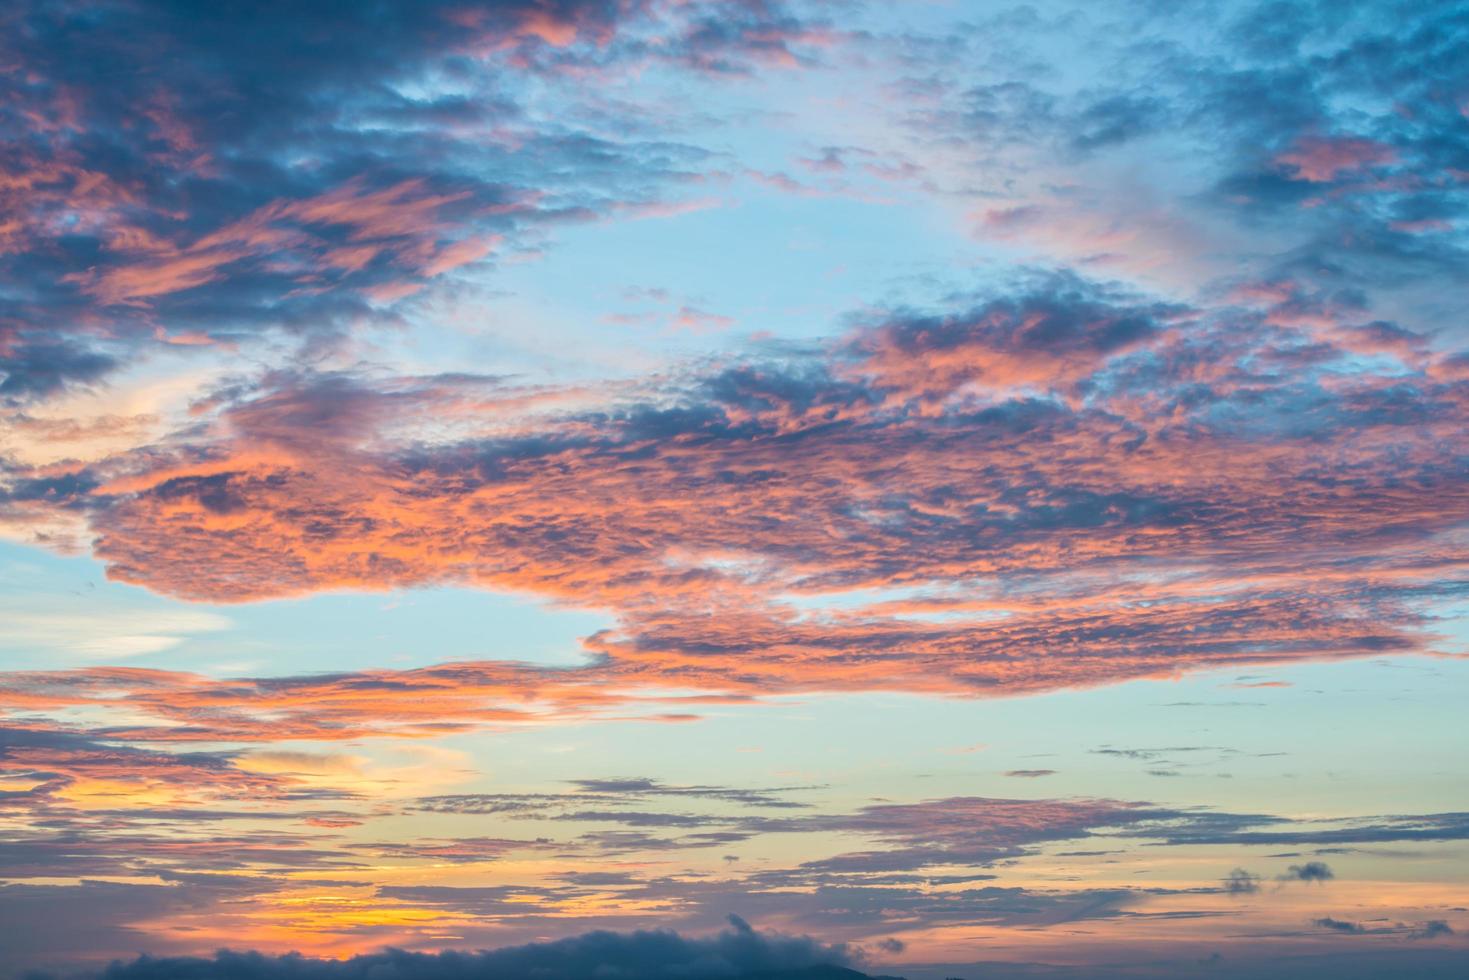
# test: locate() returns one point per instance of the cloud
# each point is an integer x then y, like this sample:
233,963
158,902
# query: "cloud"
32,368
1047,341
1317,159
1240,450
1432,929
1250,145
1190,496
931,861
194,176
462,850
1269,831
642,787
1317,871
46,925
972,831
101,634
1241,882
738,951
854,908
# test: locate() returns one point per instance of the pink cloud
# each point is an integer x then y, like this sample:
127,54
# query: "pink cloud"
1321,159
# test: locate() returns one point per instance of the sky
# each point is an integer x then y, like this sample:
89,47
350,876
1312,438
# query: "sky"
672,487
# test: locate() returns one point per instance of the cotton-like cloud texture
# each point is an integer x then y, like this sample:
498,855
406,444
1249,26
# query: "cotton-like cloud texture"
737,952
983,487
1146,533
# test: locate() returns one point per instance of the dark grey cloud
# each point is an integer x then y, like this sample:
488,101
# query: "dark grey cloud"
185,172
1241,882
738,951
1259,829
1431,929
1338,925
33,367
1317,871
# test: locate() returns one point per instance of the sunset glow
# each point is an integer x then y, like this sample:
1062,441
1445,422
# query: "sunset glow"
715,488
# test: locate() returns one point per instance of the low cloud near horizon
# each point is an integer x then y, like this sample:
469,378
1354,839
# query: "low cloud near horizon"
738,951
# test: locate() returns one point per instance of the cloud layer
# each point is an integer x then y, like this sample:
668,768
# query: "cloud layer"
1190,488
739,951
1006,352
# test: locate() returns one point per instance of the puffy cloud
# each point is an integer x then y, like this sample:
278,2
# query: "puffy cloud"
1198,492
739,951
1432,929
1337,925
1317,871
1047,341
1241,882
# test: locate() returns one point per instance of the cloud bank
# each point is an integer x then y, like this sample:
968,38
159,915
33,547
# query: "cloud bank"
739,951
